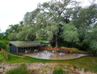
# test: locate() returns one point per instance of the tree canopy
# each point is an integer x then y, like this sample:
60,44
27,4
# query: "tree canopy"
61,22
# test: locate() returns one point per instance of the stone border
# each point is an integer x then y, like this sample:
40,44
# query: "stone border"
75,56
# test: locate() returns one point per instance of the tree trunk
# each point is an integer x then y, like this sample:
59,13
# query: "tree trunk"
56,42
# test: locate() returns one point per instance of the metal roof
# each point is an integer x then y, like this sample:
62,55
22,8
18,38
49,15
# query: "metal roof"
27,43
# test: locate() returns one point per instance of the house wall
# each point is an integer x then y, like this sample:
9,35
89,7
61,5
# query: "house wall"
23,50
13,49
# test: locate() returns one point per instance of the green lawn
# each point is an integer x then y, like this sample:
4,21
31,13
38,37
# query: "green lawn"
88,63
1,57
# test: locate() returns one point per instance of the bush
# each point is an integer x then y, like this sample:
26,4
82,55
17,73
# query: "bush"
63,49
59,71
4,44
93,48
71,50
1,57
20,70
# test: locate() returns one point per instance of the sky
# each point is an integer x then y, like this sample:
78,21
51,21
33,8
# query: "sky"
13,11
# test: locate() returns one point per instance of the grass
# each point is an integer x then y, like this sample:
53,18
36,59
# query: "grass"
1,57
59,71
88,63
25,59
20,70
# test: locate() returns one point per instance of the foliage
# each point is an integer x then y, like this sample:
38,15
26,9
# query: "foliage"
2,36
3,44
71,50
59,71
93,48
20,70
70,33
61,22
12,36
1,57
42,23
85,20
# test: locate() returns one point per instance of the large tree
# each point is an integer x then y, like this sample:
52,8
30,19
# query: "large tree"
62,22
85,19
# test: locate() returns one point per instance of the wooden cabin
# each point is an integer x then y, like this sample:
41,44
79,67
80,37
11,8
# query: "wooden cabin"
21,47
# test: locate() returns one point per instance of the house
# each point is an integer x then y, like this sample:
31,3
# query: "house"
21,47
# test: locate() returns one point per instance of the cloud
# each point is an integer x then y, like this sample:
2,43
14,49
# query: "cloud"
12,11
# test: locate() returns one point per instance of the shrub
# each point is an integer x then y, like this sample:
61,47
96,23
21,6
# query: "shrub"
63,49
93,48
4,44
71,50
20,70
4,54
1,57
59,71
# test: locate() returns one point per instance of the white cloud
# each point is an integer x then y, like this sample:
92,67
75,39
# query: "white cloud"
12,11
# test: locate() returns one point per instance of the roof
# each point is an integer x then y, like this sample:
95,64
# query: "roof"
27,43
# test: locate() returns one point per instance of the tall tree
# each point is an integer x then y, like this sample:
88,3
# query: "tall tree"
84,20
